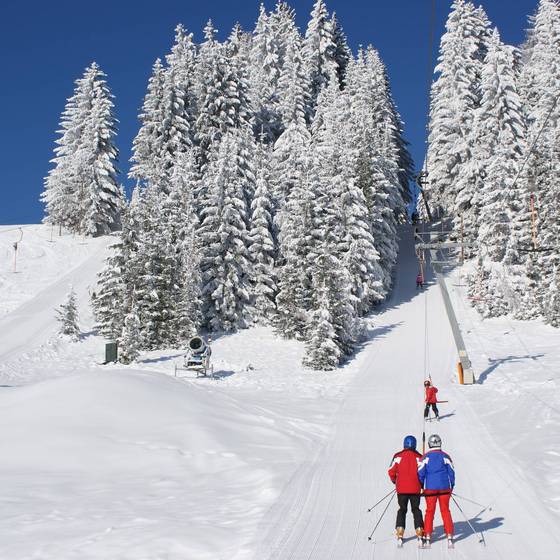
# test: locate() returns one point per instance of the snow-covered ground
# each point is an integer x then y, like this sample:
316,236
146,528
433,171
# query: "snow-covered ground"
267,460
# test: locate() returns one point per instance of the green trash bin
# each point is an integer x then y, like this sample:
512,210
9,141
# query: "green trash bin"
111,351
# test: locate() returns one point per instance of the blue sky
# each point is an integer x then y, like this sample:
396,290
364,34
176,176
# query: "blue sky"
45,46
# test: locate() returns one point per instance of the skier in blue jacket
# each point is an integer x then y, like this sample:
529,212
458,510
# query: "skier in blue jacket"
437,475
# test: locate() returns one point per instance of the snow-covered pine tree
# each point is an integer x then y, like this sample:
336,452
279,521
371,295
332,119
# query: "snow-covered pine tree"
167,116
223,234
291,146
332,314
342,53
263,79
109,299
344,213
156,289
222,93
297,237
183,223
322,351
376,167
454,97
498,149
67,316
539,79
189,303
130,339
388,129
287,41
103,198
81,191
319,53
145,166
179,100
262,246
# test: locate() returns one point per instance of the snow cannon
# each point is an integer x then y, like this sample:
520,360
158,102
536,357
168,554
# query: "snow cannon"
197,345
197,358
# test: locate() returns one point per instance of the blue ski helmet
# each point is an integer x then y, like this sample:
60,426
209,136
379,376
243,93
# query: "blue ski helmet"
409,442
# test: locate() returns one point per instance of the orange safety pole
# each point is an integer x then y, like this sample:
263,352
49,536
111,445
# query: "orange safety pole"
460,372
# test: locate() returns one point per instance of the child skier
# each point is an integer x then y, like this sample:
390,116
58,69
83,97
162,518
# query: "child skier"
430,399
419,281
437,476
403,472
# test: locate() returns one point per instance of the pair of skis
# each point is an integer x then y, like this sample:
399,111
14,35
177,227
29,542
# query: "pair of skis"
424,543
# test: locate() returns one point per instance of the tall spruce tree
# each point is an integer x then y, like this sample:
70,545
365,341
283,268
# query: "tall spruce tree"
319,53
222,93
262,243
454,97
81,191
223,234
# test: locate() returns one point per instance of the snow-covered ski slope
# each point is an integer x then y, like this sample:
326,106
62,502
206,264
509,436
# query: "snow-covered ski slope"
322,512
268,461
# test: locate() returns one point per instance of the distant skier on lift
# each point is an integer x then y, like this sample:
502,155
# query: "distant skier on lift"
403,472
419,280
430,399
437,476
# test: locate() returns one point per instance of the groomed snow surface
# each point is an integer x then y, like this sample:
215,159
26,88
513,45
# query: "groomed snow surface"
267,460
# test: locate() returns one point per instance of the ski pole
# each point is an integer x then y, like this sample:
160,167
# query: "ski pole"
384,497
481,539
384,511
473,502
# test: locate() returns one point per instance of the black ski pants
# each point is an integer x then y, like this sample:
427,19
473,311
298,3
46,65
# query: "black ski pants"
414,500
434,408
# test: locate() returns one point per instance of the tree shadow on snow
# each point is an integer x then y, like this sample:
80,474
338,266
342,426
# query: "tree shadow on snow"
221,374
499,361
371,334
161,358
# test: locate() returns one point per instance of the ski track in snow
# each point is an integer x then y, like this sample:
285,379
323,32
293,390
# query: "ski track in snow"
267,461
383,404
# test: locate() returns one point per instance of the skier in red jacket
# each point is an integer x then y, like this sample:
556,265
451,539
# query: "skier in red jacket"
419,280
430,399
403,472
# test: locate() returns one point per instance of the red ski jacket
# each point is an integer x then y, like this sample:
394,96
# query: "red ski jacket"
403,471
431,395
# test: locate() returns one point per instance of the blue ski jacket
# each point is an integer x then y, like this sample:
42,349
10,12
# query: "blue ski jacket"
435,471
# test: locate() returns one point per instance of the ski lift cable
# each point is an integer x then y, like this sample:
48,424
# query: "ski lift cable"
535,141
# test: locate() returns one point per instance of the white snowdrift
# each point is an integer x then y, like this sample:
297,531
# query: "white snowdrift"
135,465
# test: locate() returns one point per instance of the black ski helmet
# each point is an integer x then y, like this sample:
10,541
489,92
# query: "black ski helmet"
409,442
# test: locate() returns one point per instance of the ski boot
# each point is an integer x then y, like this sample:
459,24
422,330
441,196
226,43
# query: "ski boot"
400,536
450,543
420,537
427,541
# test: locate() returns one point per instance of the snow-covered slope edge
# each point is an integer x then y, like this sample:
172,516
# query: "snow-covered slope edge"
131,465
518,390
